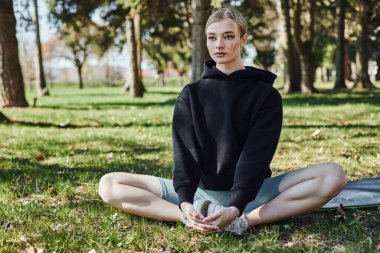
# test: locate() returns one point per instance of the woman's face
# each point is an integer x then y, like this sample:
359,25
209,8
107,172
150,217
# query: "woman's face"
224,41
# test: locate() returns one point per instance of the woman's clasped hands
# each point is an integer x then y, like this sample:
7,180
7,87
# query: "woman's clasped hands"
211,224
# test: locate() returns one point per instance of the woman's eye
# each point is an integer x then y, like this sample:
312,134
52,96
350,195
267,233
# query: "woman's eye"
229,37
211,38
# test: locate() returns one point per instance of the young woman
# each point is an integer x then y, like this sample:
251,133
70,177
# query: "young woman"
226,128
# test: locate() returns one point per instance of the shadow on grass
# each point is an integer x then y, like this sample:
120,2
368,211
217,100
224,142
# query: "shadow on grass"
32,177
75,126
29,176
164,92
106,106
100,94
333,98
347,126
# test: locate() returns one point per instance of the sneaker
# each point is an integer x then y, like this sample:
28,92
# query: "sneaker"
202,206
237,227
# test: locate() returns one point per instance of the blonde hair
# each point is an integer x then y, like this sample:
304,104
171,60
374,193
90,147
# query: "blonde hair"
228,13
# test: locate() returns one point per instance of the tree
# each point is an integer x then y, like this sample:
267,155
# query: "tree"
134,78
79,44
40,76
29,22
293,65
159,32
181,60
79,32
303,23
324,44
159,58
125,17
339,62
362,80
12,92
168,40
374,28
262,18
198,39
376,54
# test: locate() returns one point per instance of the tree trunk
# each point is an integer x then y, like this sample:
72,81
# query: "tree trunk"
347,63
340,82
40,75
308,73
362,80
133,82
304,38
12,93
378,68
293,67
323,73
199,53
79,70
3,118
161,78
328,74
137,23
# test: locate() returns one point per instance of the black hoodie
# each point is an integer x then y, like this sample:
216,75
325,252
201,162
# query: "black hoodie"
225,132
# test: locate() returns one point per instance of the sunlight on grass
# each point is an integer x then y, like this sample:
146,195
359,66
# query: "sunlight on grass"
53,156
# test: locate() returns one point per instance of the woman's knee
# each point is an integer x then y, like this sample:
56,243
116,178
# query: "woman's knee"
334,180
106,185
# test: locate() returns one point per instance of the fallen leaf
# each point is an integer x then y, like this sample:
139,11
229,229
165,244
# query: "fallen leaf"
39,156
316,132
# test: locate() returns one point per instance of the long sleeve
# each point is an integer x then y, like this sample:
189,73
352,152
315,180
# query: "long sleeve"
186,160
257,152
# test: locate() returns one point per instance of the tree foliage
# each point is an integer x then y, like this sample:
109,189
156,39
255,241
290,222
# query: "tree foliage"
77,28
166,31
262,19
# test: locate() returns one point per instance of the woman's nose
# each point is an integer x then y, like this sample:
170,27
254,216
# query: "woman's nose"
219,43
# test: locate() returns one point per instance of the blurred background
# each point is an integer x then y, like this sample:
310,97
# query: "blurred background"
112,42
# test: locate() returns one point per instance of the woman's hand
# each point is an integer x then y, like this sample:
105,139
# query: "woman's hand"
222,217
196,220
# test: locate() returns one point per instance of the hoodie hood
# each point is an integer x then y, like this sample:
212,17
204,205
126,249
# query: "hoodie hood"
210,71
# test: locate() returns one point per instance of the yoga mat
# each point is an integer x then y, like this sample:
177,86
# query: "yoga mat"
358,193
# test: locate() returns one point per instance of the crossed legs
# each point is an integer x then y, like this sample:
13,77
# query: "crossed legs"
139,195
301,191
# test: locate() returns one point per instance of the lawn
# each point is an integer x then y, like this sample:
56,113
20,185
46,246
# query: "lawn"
53,155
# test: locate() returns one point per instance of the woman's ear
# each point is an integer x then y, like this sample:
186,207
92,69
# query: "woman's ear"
243,40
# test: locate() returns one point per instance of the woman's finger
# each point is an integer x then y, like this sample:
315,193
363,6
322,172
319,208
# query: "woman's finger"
213,216
194,215
196,227
208,226
203,228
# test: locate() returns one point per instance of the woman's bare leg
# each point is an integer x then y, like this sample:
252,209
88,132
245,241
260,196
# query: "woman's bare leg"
138,195
302,191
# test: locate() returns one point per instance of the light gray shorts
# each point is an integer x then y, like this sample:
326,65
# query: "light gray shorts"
268,191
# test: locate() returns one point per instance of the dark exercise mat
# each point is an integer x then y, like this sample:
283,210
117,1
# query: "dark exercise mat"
357,193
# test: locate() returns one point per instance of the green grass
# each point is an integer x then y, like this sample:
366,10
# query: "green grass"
82,134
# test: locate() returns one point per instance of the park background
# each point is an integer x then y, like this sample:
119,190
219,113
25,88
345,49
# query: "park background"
88,87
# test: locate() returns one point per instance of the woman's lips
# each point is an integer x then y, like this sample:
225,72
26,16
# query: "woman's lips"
220,54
